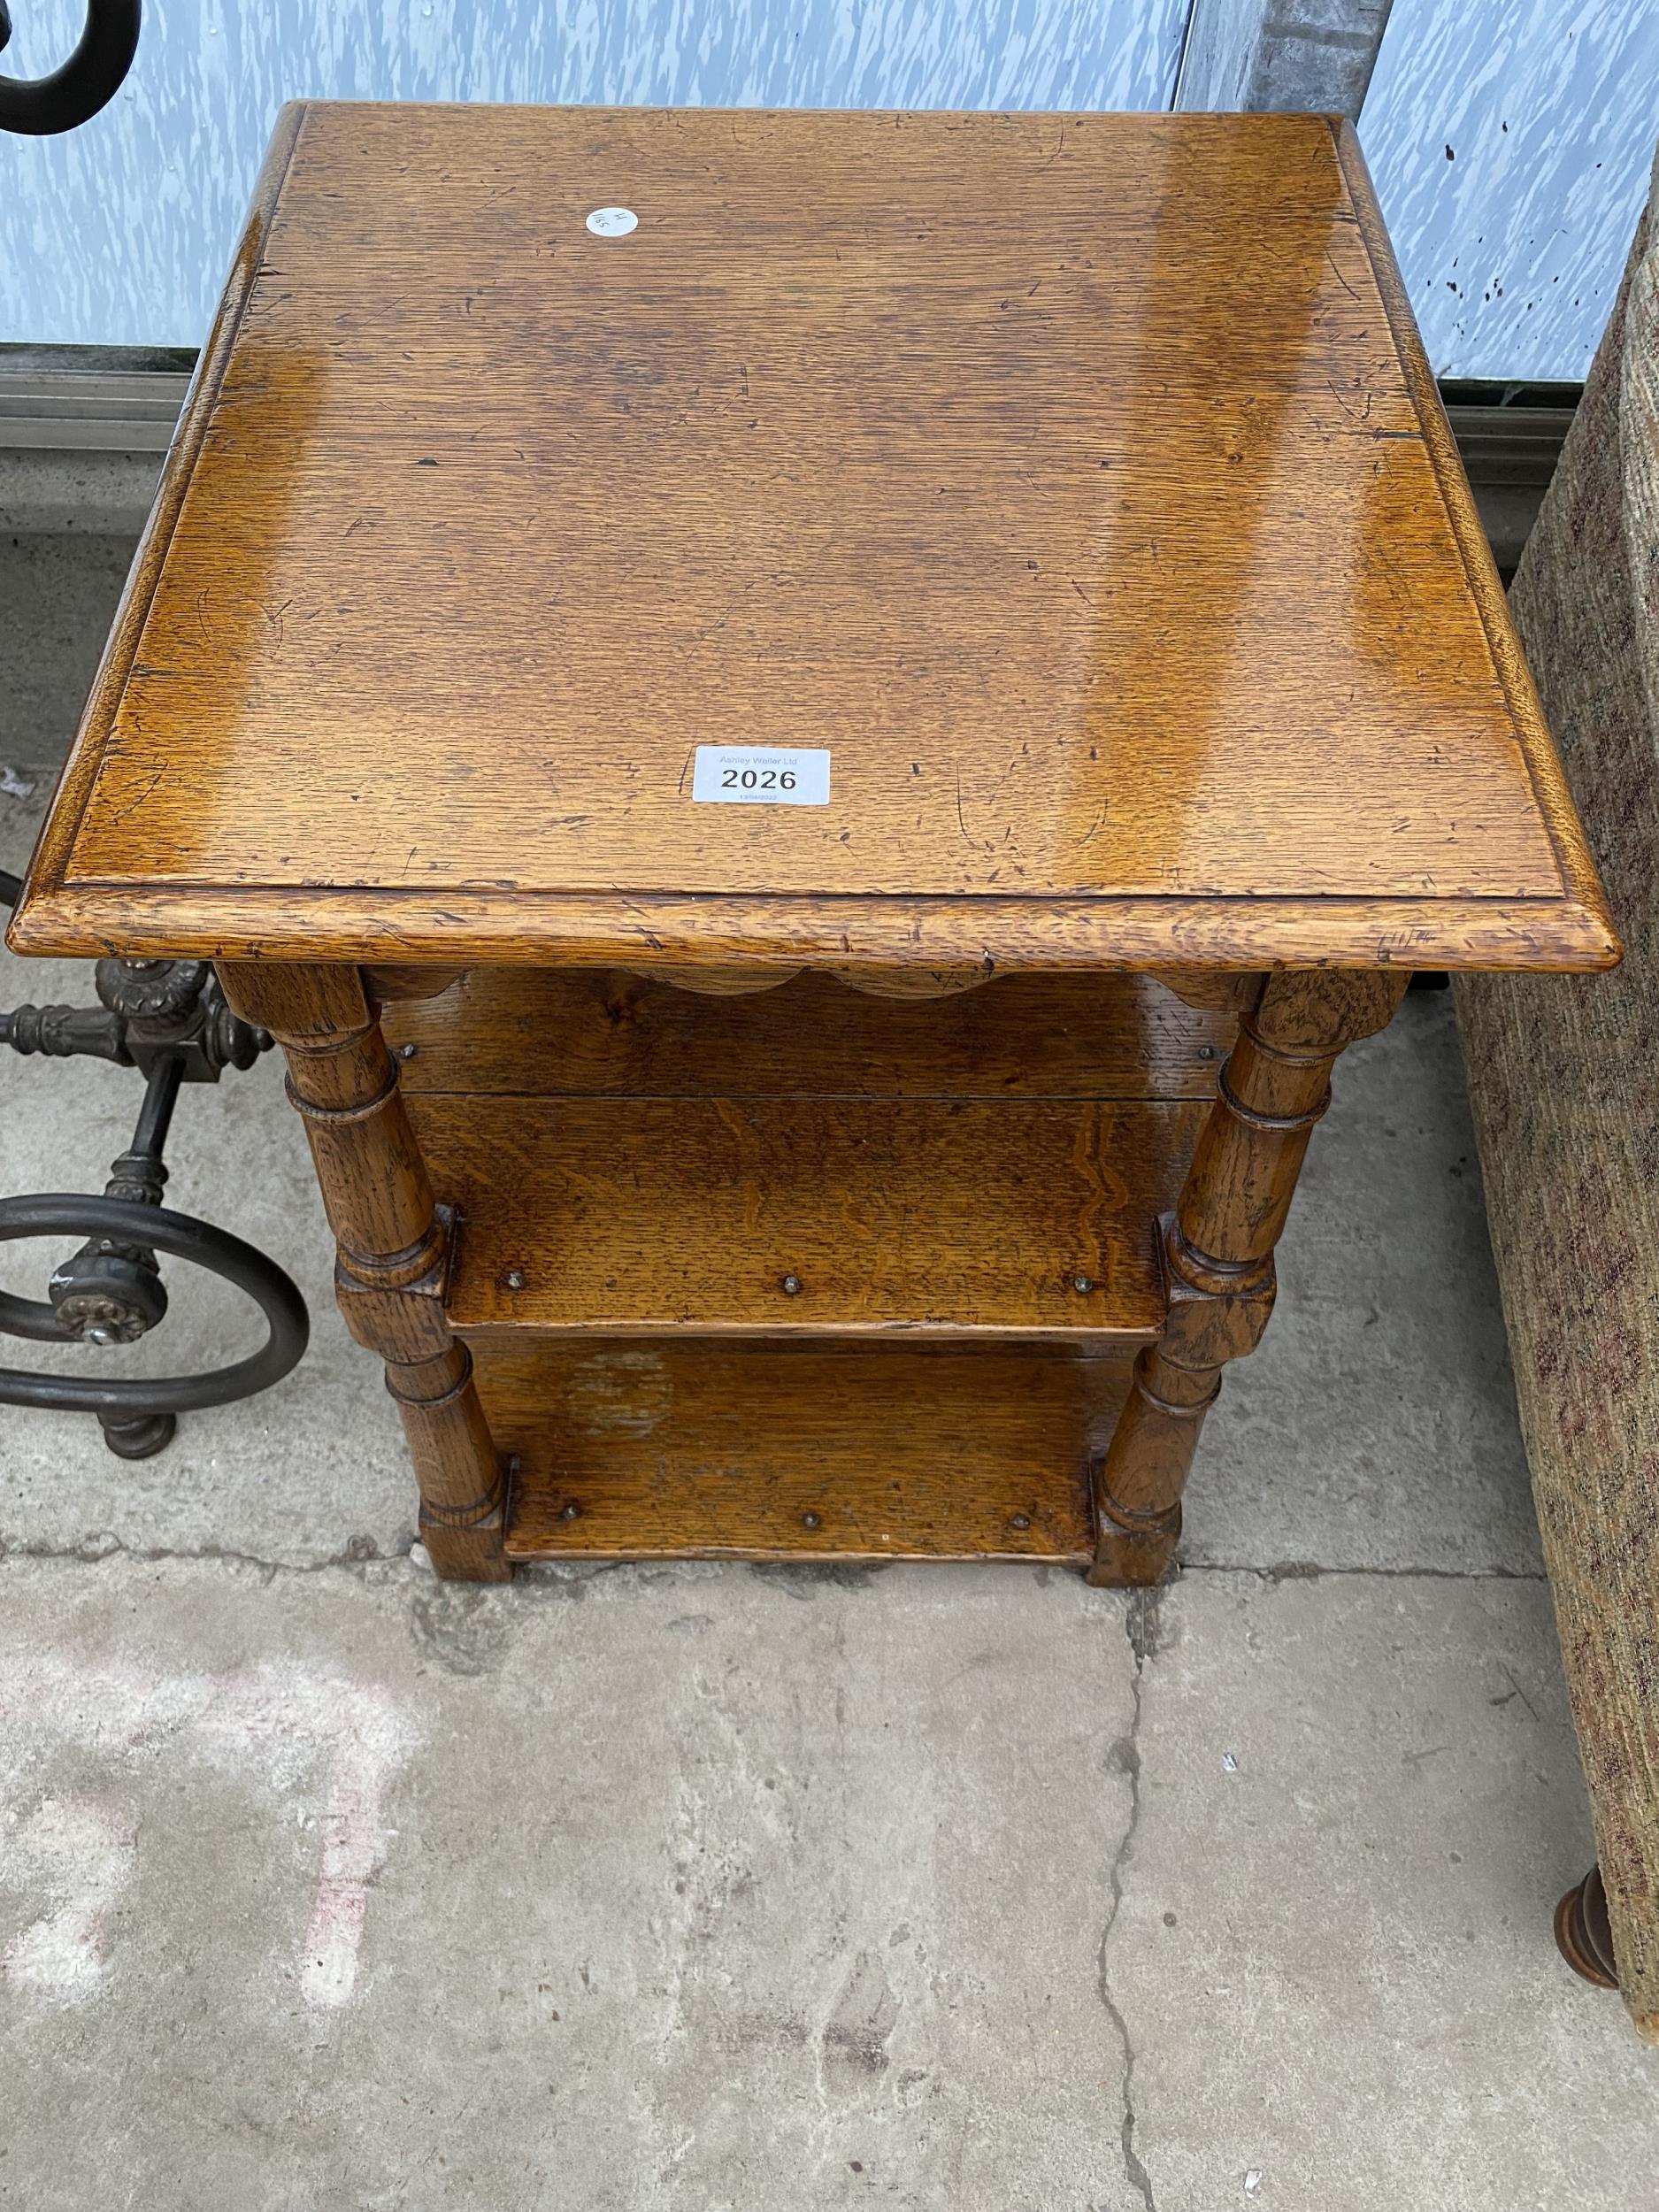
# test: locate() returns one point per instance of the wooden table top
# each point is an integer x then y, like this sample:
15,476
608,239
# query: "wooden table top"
1075,481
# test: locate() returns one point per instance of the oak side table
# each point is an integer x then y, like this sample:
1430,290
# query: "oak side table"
812,731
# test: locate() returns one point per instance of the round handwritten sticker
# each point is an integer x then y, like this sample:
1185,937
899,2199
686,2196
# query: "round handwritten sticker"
612,222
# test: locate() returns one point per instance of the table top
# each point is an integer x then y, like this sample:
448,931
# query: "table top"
1075,482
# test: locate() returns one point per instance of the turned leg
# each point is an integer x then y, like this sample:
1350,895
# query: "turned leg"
1218,1249
392,1245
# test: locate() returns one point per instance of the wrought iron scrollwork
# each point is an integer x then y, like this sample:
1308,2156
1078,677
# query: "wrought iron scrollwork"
168,1020
40,107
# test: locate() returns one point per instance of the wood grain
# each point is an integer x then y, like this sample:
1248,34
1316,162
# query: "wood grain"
898,1216
703,1451
1073,479
586,1032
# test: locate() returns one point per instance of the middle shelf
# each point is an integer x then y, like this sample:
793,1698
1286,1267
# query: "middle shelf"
920,1218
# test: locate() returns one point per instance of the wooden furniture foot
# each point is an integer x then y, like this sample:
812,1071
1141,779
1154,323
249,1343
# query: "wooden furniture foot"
1583,1934
1219,1250
392,1246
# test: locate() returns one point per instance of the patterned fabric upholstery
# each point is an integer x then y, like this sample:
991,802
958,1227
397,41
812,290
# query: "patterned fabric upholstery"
1563,1074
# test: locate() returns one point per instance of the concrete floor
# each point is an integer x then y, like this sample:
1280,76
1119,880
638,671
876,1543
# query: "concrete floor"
322,1884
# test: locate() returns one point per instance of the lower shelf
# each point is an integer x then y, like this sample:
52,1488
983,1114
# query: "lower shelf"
771,1450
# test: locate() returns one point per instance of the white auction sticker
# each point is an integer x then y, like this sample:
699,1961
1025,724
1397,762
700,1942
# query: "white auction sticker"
761,775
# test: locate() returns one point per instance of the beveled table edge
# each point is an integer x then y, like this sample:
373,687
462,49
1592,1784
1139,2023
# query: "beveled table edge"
511,928
1560,815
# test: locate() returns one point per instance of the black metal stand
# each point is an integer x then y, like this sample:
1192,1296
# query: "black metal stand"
167,1018
138,1416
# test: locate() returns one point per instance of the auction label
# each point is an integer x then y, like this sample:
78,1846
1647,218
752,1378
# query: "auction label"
761,775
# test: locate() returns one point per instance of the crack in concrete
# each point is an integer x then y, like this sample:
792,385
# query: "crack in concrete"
1311,1571
92,1551
1141,1626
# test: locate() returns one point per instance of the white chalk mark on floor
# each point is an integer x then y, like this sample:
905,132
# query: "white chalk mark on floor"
80,1851
330,1744
367,1753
